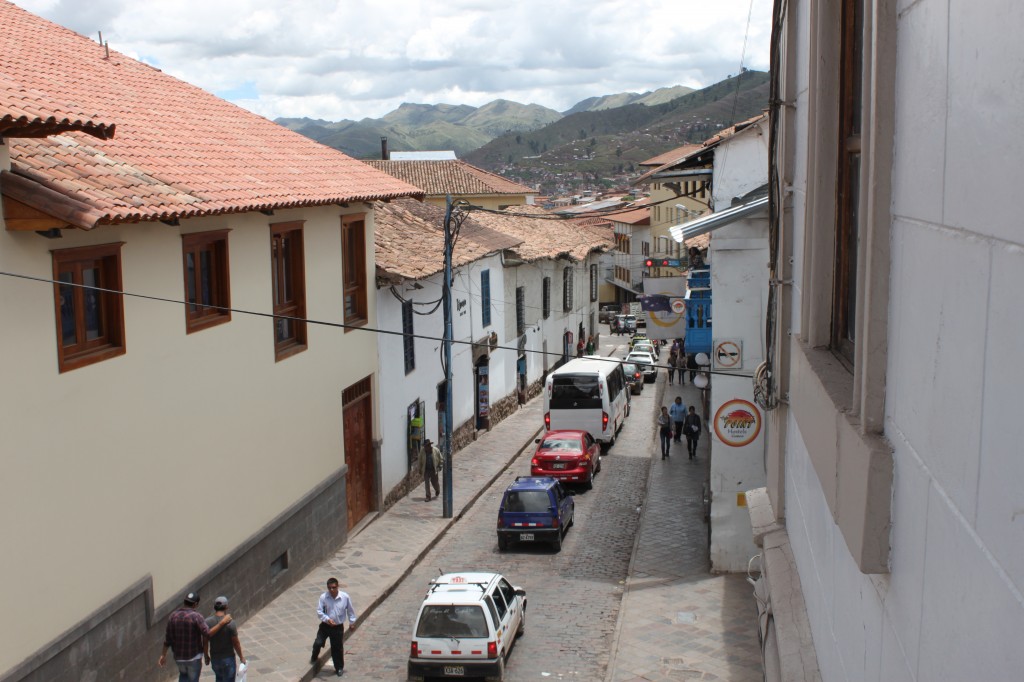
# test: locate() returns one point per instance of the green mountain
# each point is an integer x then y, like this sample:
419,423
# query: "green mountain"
413,127
659,96
602,145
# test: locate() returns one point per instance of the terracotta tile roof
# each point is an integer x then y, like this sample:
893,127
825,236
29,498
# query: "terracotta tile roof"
545,235
438,178
179,151
638,216
409,240
29,113
672,156
726,133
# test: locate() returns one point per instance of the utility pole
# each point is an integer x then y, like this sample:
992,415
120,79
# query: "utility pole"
452,214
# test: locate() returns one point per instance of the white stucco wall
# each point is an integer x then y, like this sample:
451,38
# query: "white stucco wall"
951,607
739,284
112,470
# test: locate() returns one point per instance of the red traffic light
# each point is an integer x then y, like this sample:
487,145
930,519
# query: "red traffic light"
649,262
664,262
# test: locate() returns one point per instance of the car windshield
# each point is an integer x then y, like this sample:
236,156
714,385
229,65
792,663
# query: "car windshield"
560,444
575,392
527,501
640,358
452,621
629,368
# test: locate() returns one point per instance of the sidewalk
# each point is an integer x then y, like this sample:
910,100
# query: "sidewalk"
678,621
277,640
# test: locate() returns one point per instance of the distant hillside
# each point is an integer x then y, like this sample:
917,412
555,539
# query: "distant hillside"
417,127
659,96
608,143
413,127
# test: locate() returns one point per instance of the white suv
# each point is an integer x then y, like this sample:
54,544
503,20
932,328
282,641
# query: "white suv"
466,626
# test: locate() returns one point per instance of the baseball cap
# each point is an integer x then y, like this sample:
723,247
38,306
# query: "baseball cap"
220,603
192,598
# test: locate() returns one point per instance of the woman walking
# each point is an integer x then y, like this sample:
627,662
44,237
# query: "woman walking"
665,432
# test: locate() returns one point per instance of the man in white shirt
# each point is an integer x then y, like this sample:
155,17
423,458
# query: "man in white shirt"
333,609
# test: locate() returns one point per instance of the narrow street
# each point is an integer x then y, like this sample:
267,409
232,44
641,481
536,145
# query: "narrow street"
574,596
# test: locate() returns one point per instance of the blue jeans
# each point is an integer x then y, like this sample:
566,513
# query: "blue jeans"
666,442
188,671
224,669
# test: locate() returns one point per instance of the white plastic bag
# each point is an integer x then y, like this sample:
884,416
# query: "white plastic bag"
240,673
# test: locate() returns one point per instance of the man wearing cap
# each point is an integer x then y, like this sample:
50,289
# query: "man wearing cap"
224,644
430,464
188,637
333,609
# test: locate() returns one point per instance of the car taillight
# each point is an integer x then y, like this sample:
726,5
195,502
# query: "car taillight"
501,521
554,522
414,651
547,421
492,650
604,421
637,375
534,463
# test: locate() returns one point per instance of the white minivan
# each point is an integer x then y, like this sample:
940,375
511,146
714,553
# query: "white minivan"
587,394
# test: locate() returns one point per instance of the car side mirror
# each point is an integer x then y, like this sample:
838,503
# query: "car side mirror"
536,440
520,591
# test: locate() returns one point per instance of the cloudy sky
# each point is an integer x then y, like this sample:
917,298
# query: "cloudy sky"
336,59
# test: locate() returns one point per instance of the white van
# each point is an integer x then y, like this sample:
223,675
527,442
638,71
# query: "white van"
587,394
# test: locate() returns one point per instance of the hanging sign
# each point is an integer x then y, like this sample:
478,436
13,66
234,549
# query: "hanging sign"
737,422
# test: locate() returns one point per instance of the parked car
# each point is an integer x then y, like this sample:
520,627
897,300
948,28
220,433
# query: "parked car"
534,509
607,313
624,324
569,456
634,377
646,363
646,347
465,626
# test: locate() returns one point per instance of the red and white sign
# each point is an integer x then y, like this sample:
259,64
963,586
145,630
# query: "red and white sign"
737,422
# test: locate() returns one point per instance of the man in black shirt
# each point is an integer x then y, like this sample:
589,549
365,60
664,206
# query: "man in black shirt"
224,644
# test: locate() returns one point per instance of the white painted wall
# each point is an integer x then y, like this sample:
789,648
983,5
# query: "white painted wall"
112,470
398,389
952,606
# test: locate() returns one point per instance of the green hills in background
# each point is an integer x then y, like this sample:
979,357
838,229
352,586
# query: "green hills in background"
596,140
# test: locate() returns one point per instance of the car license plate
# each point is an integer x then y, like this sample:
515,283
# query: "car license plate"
454,670
558,465
526,536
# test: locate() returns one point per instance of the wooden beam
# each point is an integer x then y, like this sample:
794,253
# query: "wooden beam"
21,217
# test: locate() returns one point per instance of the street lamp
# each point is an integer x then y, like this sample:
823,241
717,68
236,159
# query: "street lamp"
701,380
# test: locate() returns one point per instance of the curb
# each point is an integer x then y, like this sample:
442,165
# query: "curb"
614,648
315,670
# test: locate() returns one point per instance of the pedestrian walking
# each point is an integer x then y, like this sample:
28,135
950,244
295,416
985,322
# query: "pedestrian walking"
332,609
590,345
672,359
665,432
678,414
691,364
431,461
579,348
188,638
692,428
224,645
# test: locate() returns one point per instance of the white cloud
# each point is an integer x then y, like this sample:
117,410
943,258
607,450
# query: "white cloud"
335,59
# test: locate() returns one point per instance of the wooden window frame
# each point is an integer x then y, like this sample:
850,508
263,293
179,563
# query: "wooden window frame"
198,315
485,298
851,101
106,258
546,297
295,307
567,289
520,311
353,259
408,341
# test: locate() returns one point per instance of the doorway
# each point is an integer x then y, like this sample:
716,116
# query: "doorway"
357,421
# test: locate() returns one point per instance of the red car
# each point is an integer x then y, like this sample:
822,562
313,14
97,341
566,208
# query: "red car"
569,456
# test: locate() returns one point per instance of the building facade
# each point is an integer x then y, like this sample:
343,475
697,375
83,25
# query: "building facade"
893,446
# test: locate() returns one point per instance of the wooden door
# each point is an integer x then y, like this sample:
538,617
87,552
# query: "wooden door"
357,418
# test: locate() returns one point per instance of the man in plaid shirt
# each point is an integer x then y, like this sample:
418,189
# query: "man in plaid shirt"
188,637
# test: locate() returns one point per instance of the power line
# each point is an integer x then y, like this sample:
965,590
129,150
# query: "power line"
306,320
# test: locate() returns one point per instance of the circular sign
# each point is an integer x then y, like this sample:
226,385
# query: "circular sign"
737,422
678,305
727,355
